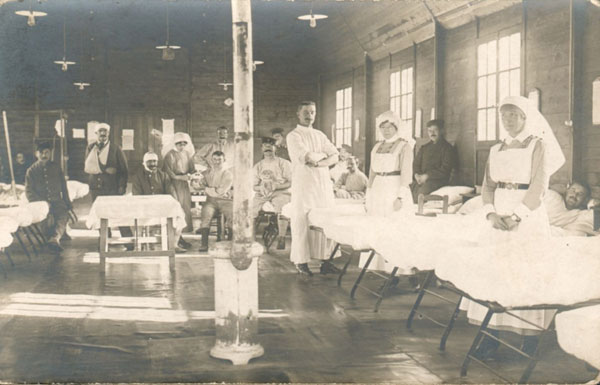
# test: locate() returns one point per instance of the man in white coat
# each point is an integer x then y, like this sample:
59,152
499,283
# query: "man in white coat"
311,154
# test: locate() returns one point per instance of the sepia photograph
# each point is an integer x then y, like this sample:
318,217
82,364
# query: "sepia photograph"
300,191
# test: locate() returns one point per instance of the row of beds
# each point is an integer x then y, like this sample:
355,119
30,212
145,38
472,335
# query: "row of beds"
21,220
502,285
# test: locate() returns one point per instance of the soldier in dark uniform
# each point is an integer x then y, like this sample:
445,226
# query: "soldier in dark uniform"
45,181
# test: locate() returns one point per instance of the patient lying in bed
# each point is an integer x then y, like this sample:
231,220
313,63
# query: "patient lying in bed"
566,208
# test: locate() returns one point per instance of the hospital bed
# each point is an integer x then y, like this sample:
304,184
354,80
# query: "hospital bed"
348,225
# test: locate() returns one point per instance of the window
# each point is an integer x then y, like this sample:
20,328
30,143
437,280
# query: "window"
498,76
401,94
343,117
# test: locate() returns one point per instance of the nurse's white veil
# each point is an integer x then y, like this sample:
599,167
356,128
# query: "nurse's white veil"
537,125
404,128
179,137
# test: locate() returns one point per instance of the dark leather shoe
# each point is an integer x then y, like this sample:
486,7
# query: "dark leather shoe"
54,247
184,244
303,269
329,268
281,243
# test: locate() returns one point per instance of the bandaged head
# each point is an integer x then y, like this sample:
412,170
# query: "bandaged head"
538,126
102,130
403,129
150,161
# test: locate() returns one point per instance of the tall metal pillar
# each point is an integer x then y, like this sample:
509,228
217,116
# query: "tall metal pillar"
236,263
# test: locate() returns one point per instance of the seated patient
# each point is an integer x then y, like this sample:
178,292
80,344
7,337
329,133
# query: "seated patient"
217,183
568,212
434,161
272,181
340,167
45,181
149,180
352,184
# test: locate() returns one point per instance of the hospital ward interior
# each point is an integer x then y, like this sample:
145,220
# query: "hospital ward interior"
300,191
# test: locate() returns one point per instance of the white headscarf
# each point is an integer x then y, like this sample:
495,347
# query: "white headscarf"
101,125
537,125
149,156
404,130
178,137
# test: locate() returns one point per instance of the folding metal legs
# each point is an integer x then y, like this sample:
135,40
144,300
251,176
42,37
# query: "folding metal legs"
30,241
362,274
20,240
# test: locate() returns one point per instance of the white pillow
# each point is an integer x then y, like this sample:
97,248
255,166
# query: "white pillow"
454,193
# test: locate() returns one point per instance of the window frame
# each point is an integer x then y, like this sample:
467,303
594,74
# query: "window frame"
397,98
497,36
346,116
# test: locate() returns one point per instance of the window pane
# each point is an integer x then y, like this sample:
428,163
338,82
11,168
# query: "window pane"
481,125
491,95
339,118
503,54
348,97
348,136
481,92
348,117
392,85
339,100
409,107
491,124
482,59
515,50
404,83
409,78
397,105
404,107
339,138
504,86
515,82
491,56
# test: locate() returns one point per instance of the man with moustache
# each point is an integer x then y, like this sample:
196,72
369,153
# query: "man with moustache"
272,181
45,181
106,166
311,154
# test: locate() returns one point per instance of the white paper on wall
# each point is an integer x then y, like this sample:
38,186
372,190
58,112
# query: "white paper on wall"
356,130
534,96
127,140
596,101
78,133
91,131
418,122
432,113
168,131
60,126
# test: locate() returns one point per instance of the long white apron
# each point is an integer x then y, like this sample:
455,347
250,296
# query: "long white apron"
380,197
311,188
513,166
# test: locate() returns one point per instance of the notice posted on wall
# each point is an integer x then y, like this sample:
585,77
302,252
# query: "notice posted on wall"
596,102
78,133
127,140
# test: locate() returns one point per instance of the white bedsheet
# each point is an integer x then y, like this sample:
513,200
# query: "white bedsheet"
560,271
318,217
77,189
578,333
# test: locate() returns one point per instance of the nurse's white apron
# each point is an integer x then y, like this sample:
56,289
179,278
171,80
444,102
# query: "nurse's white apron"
512,166
380,197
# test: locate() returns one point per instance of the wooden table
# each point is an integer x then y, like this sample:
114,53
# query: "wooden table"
137,210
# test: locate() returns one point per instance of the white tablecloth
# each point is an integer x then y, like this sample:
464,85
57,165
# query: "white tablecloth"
148,209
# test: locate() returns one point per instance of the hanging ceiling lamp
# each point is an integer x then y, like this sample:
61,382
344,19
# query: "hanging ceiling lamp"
257,63
64,64
225,83
168,50
81,84
312,18
31,14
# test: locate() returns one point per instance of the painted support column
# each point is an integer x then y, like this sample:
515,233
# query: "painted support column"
236,263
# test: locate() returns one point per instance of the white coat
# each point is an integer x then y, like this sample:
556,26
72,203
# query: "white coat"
311,187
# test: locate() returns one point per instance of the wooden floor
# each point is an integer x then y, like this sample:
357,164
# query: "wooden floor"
60,322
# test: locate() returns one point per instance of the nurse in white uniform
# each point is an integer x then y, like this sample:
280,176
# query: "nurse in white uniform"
311,154
516,179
